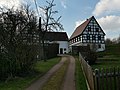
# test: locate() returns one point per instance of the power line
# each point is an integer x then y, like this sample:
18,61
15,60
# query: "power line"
36,7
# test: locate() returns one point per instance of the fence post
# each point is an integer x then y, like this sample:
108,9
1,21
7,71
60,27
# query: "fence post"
97,78
114,75
102,76
118,70
111,85
106,74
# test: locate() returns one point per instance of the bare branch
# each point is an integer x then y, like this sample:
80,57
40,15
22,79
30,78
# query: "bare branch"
49,22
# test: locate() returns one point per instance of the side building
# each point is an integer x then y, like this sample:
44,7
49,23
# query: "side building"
89,33
59,38
55,43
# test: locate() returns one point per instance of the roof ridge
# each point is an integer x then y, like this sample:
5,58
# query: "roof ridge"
56,36
85,21
82,26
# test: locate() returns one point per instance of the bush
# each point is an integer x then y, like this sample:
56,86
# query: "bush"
91,57
18,42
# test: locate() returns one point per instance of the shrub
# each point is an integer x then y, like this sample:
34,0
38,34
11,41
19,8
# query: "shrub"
91,57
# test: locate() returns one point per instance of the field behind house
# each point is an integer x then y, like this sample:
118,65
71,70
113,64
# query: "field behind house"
109,58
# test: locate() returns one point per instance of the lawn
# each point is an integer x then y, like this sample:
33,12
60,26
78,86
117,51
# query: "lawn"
19,83
79,76
109,58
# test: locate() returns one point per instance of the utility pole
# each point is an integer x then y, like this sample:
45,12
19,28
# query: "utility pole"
39,31
41,40
39,23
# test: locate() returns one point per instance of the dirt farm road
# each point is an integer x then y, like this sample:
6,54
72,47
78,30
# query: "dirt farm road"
69,79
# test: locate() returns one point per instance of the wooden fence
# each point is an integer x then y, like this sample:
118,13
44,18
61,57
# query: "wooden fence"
107,79
87,72
101,79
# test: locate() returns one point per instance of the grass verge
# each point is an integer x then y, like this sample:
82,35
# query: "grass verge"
79,76
19,83
55,81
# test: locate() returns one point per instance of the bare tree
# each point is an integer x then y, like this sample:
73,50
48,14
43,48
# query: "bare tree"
49,23
17,40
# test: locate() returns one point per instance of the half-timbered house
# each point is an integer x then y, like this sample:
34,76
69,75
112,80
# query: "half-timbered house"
88,33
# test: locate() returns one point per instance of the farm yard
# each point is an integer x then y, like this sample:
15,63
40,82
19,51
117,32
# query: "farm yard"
108,61
37,51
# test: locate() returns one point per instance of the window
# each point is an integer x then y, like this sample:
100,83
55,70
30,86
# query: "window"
93,37
99,46
89,29
78,38
72,40
88,37
64,49
75,39
64,52
83,41
99,37
97,29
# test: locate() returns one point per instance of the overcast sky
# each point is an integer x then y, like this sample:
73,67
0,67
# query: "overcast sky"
73,12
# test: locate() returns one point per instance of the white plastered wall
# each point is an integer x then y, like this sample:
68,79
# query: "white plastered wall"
64,45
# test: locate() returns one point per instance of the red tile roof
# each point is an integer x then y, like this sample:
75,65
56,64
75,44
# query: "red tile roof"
80,28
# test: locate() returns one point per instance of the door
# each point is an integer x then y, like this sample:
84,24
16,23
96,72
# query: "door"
61,50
